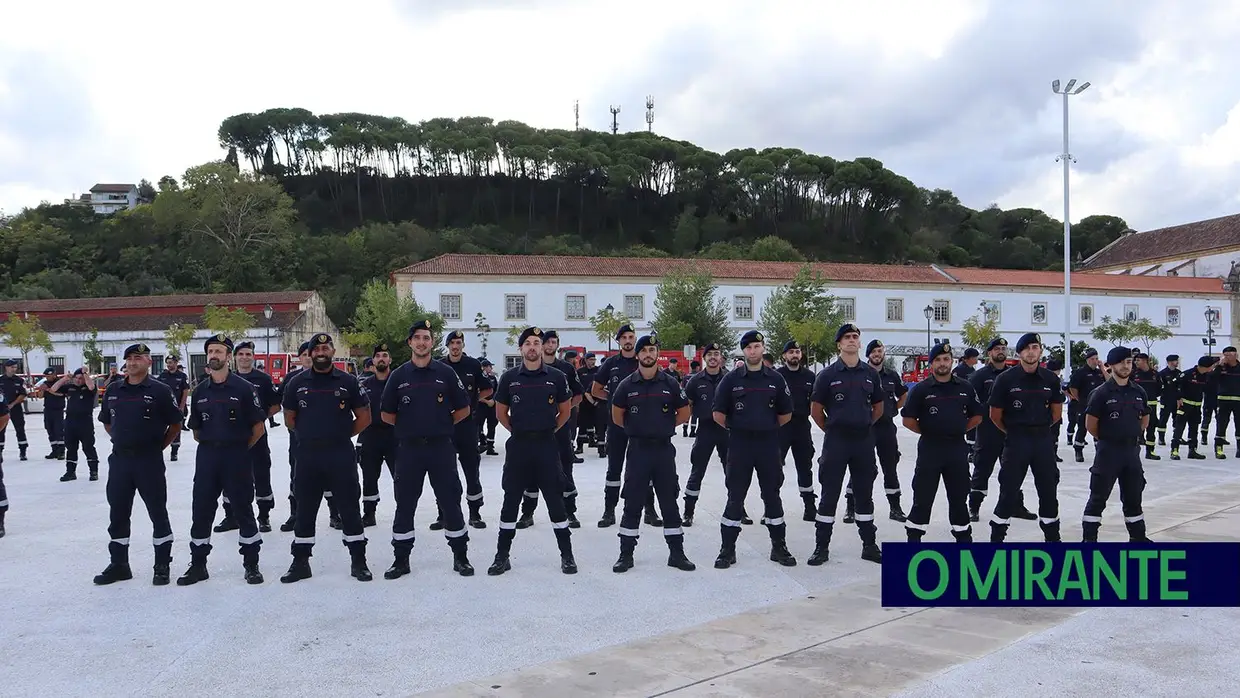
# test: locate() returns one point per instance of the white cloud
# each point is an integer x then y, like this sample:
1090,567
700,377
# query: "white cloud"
952,94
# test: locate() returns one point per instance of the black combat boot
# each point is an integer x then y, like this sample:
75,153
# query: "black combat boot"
70,471
175,448
1193,454
850,511
964,537
368,514
779,546
1136,531
1149,453
563,538
570,510
228,523
21,451
491,449
197,571
501,564
914,535
162,572
118,569
1089,531
357,560
529,504
1080,453
1175,450
652,516
333,513
460,557
93,466
822,544
2,513
1022,512
998,532
1050,532
975,505
897,514
475,514
611,497
250,564
299,570
676,554
400,566
264,515
811,509
288,525
690,505
727,551
625,562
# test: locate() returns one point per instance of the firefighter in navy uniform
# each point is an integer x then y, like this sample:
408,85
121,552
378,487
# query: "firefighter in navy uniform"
13,387
1190,390
563,439
81,396
1170,376
942,409
303,359
426,401
1081,383
178,383
53,415
989,445
570,357
4,423
1210,404
1227,391
469,370
260,454
690,430
649,405
1117,415
1024,402
377,441
141,416
795,435
533,401
885,442
486,416
848,399
326,408
615,369
964,369
1055,366
1149,381
587,411
227,418
752,402
710,437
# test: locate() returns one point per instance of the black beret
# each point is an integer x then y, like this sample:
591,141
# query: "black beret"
1227,349
1026,339
454,334
10,362
623,329
484,362
996,342
550,334
530,332
244,345
970,353
1118,354
589,355
319,340
1205,361
845,329
938,350
750,337
380,348
874,344
695,364
1090,353
647,341
77,371
137,349
1140,355
673,360
49,371
303,349
790,345
420,325
217,339
1173,357
1054,365
709,348
571,354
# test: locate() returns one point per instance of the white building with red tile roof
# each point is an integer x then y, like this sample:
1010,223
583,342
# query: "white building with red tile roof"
889,302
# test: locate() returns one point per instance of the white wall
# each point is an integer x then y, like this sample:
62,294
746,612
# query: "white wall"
546,306
68,346
1215,265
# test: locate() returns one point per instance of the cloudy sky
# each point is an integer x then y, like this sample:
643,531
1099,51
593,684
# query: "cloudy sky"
951,93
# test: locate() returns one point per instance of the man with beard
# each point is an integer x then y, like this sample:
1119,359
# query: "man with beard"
377,441
81,396
4,423
942,409
615,369
1024,402
752,403
227,418
178,383
533,401
426,402
476,385
1147,379
1080,384
260,454
648,405
563,439
673,370
326,407
53,414
1116,416
14,388
142,418
885,443
304,363
1170,377
848,399
690,430
795,435
588,414
1190,391
486,414
989,445
711,437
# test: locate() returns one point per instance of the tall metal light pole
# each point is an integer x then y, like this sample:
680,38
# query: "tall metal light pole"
1066,158
929,311
268,311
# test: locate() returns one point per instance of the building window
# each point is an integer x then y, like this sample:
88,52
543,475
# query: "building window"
1085,313
511,361
574,307
1038,316
635,307
991,311
942,310
895,310
514,306
742,307
108,362
450,306
1173,317
1131,313
157,364
848,308
56,363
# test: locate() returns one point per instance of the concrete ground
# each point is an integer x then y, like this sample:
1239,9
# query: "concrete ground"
757,629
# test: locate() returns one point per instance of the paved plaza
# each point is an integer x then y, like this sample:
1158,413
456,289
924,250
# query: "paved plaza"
757,629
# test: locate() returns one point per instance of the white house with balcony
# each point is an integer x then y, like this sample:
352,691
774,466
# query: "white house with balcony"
906,306
110,198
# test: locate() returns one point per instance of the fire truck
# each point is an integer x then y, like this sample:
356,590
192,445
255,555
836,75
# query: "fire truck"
278,366
665,357
917,368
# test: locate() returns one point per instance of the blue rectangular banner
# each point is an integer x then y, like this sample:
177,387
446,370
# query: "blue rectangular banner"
1061,574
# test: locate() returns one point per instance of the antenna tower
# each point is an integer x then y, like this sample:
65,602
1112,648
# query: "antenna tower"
576,115
650,113
615,123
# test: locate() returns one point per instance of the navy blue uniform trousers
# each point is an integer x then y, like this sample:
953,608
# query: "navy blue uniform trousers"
137,471
223,468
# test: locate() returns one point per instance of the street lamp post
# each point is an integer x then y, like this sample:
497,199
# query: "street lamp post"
610,309
929,311
268,311
1066,158
1211,318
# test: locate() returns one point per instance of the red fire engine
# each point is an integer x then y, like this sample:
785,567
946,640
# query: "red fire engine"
279,365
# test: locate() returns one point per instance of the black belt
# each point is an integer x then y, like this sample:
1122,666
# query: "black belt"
222,443
541,434
424,440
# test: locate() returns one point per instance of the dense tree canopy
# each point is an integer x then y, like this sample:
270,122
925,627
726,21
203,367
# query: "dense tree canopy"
328,202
